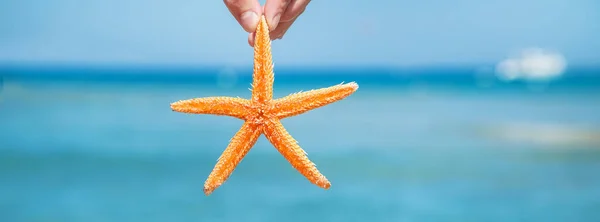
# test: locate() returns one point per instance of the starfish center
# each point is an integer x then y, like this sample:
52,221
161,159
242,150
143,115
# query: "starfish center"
261,114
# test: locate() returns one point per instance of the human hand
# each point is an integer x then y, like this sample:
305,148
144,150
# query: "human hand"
280,15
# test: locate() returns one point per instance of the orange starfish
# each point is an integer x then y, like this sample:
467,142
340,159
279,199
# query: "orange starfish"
262,115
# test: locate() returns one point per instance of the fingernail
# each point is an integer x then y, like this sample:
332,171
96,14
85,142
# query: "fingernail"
249,21
275,21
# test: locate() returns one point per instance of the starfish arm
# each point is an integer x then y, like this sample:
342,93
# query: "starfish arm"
298,103
262,86
225,106
238,147
288,147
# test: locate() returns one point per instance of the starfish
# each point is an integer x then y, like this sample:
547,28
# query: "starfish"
262,115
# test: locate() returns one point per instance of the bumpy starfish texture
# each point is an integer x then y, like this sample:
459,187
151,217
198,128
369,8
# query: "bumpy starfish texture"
262,115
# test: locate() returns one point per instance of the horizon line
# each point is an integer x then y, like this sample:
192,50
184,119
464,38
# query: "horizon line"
156,66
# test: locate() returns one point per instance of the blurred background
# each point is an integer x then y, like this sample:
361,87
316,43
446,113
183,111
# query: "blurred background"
467,110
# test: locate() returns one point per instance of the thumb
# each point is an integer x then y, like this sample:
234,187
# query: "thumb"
246,12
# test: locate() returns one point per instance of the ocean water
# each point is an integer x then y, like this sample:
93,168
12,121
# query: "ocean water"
89,144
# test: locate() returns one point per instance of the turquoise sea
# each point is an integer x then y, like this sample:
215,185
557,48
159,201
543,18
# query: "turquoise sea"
433,144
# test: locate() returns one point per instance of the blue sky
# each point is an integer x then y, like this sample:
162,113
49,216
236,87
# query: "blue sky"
330,32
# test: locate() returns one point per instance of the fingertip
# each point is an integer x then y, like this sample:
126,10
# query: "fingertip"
281,30
246,12
274,11
251,39
249,20
273,21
